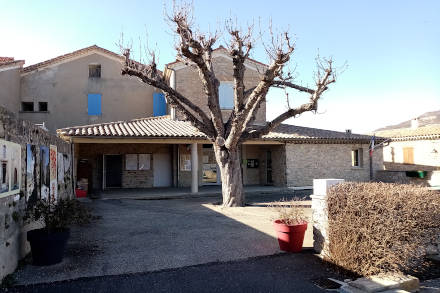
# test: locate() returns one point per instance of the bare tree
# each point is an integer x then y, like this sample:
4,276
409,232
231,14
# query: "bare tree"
197,48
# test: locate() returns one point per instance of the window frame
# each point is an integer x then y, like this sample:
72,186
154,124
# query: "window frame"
357,157
27,103
93,70
231,84
42,103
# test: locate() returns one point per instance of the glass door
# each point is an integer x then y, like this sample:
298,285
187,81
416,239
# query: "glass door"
211,174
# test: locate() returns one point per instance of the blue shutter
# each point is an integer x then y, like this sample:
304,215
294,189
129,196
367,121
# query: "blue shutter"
159,104
94,104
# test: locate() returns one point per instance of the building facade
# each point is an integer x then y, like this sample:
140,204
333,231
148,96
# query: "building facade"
82,87
412,155
128,137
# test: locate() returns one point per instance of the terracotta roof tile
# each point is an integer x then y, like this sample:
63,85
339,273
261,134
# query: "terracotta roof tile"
71,55
165,127
424,132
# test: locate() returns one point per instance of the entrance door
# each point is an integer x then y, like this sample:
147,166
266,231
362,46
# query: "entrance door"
269,180
211,173
113,170
162,170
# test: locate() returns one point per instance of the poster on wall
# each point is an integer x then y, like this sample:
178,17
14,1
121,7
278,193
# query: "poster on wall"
44,172
131,162
10,168
53,172
144,161
31,174
67,173
185,162
60,168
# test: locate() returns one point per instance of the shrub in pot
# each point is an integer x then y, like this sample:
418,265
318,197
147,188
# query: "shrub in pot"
48,243
290,225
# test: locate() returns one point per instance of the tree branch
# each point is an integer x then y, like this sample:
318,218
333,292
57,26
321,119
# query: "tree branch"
198,49
284,84
149,75
322,82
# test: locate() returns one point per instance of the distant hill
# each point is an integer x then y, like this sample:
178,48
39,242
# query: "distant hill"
424,119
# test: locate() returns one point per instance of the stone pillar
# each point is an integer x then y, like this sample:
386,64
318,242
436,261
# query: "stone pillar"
194,169
319,214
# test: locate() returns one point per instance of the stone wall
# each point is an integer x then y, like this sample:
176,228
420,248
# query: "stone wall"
307,161
320,214
432,178
93,154
13,244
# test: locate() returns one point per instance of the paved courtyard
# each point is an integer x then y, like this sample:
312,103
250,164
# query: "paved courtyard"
136,236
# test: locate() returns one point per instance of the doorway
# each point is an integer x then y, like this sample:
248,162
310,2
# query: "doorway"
211,172
162,170
113,171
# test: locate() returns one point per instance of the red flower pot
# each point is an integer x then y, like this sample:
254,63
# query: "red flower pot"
290,237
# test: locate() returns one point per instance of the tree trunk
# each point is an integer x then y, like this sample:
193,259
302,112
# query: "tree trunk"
230,171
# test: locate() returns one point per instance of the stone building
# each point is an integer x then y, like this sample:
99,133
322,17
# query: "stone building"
412,155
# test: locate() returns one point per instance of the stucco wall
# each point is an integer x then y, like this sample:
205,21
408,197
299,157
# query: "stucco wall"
188,83
65,88
426,155
306,162
10,89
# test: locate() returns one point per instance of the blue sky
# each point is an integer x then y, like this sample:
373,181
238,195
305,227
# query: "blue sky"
392,48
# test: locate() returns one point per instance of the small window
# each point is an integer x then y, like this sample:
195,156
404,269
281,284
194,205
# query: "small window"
226,96
95,70
94,104
356,158
408,155
42,106
27,106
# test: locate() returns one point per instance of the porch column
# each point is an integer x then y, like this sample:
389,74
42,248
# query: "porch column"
194,169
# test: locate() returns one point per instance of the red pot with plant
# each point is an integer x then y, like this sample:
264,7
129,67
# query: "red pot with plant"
290,225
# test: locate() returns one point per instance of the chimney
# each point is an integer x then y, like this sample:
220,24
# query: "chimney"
415,123
348,131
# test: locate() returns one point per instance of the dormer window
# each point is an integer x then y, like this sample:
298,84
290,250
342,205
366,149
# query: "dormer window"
94,70
226,95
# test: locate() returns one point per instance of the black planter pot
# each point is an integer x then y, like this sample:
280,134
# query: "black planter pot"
47,248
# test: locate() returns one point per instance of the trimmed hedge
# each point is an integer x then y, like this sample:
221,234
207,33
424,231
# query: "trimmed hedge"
381,227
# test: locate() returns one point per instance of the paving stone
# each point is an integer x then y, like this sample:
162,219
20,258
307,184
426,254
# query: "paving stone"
380,283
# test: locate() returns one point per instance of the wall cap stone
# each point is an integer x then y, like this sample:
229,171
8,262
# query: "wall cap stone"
321,186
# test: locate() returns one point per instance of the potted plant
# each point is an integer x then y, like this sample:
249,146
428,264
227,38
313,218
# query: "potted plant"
48,243
290,225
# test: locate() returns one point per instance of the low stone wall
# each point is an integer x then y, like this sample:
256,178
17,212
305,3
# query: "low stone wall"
432,178
320,216
13,244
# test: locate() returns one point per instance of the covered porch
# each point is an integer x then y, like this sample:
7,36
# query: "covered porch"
170,166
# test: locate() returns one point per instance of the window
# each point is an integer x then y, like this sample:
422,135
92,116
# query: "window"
94,104
356,158
226,96
94,70
42,106
408,155
27,106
